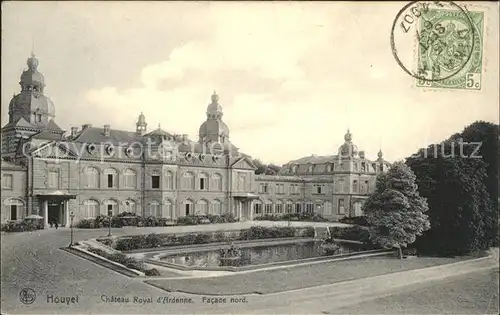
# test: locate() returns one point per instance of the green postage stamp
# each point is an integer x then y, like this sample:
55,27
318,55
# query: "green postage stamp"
450,49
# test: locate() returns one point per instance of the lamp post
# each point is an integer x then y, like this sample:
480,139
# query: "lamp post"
71,215
110,212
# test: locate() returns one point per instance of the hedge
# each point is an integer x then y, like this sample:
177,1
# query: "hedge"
308,217
165,240
131,219
354,233
361,220
128,262
24,225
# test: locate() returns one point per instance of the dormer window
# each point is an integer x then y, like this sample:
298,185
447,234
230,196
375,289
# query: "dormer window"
328,168
310,168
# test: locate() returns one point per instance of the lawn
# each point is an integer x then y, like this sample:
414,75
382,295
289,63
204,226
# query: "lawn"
270,281
474,293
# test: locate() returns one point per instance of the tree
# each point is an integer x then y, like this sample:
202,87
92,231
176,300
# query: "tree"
261,168
267,169
395,211
485,137
460,210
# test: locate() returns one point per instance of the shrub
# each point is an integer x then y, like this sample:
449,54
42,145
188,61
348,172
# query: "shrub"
308,217
24,225
354,233
105,241
187,220
361,220
152,272
259,232
85,224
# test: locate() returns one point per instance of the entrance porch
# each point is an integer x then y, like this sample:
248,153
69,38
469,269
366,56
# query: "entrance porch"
243,206
55,208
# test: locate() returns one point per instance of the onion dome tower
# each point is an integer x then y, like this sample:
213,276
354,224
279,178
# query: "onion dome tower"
141,125
31,104
214,129
348,149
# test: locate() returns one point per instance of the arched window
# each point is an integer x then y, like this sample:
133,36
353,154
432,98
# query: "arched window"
268,207
111,178
111,207
130,179
289,207
188,207
217,182
90,209
153,209
91,177
257,208
328,168
167,209
129,206
278,207
14,209
298,207
309,207
169,180
202,207
203,181
216,207
188,181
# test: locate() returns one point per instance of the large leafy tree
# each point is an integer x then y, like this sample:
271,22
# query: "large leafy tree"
267,169
484,136
460,209
395,211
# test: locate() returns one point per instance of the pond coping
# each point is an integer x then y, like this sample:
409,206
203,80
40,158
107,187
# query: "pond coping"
155,260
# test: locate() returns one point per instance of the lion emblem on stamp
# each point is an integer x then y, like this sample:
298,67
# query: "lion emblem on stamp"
448,44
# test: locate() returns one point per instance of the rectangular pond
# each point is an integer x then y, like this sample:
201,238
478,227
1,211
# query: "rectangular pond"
259,254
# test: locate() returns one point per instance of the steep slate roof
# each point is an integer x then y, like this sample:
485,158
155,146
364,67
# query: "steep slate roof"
96,135
314,159
53,126
47,135
158,132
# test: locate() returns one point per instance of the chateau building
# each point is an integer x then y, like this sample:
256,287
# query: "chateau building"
94,171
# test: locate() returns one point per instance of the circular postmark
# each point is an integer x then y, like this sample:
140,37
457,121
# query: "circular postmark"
433,41
27,296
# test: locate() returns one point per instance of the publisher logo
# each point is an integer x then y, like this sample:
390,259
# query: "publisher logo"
27,296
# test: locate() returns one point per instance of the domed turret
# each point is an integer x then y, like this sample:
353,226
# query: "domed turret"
141,125
214,129
31,103
32,62
348,149
214,110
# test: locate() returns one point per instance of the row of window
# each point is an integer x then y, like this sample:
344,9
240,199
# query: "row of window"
92,208
318,189
288,207
188,180
357,167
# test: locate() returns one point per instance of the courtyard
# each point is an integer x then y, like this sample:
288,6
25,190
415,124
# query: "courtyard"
35,260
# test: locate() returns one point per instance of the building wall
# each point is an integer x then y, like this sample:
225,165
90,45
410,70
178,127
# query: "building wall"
14,193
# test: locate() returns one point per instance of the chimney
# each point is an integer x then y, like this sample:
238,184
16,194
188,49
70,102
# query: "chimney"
106,130
86,126
184,137
74,130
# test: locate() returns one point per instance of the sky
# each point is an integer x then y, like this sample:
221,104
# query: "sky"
291,77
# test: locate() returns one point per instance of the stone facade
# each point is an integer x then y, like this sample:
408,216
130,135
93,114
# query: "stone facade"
97,171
